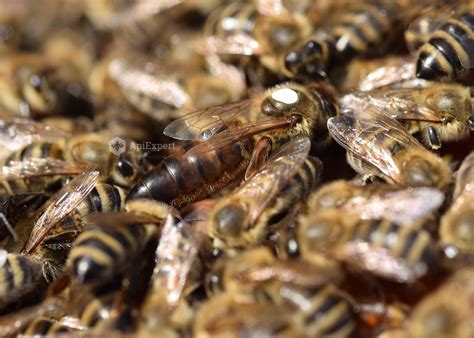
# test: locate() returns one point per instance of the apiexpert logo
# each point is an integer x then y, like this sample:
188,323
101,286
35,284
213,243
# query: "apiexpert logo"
117,145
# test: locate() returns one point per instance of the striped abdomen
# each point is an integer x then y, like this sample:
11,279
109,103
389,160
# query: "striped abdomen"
43,326
100,253
34,150
363,29
102,198
322,312
299,186
232,19
449,53
408,243
18,275
180,180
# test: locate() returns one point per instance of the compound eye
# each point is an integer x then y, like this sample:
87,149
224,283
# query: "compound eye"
125,168
292,60
312,47
230,220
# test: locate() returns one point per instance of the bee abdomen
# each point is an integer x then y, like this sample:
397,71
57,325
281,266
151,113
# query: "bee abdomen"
17,273
330,315
43,326
363,29
449,52
101,253
103,198
181,180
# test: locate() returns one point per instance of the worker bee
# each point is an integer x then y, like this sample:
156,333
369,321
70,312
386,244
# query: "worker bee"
402,253
44,163
378,145
266,29
31,86
230,316
447,53
151,88
243,217
57,223
309,290
360,30
103,251
375,73
438,314
456,224
437,112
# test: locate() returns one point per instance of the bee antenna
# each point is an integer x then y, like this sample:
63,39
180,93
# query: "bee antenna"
9,226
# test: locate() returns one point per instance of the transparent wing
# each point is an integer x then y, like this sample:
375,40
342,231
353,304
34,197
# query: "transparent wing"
227,71
388,75
177,249
363,130
271,7
17,133
402,207
59,205
244,131
142,10
267,182
465,176
398,104
235,44
202,124
134,79
37,167
121,218
377,260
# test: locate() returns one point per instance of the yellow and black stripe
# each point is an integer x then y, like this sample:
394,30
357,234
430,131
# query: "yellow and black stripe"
17,274
43,326
100,253
328,314
449,53
34,150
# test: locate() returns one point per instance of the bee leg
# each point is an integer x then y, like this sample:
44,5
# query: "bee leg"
9,227
433,138
260,154
50,270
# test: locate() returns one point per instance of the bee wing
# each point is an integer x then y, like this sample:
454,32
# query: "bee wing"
402,207
354,131
388,75
242,132
16,133
235,44
177,249
377,260
267,182
142,10
202,124
37,167
398,104
59,205
272,7
465,176
134,79
227,71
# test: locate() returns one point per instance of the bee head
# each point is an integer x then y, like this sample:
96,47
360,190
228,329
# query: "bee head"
39,93
230,220
308,61
126,168
425,171
459,230
319,231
